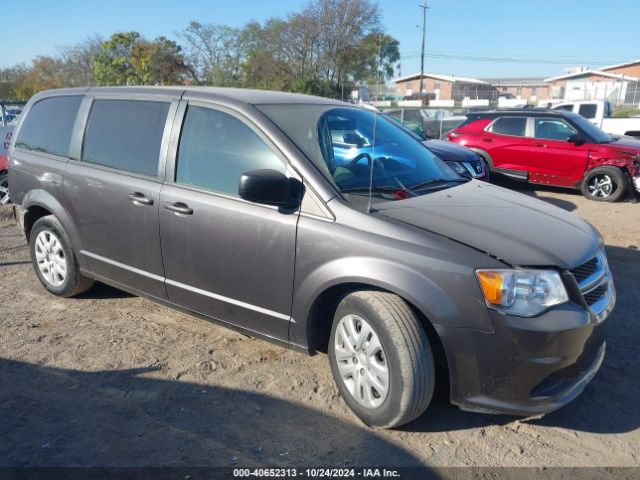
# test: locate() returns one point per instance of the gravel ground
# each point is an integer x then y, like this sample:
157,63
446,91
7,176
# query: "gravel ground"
109,379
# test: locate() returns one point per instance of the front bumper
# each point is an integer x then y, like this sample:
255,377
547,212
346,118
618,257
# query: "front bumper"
526,366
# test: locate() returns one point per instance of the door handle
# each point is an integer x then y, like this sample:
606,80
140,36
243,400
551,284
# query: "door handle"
178,208
140,199
541,145
487,139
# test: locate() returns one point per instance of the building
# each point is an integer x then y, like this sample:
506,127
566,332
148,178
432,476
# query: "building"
443,87
592,85
631,69
619,84
530,89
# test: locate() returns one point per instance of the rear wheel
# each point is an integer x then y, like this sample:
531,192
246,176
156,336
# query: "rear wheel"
604,184
53,259
381,359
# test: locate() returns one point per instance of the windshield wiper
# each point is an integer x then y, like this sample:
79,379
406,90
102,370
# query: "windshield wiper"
375,189
437,181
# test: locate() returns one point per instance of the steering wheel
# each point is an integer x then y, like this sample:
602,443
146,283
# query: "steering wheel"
359,157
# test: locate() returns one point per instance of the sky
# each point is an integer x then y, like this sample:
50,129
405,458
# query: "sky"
476,38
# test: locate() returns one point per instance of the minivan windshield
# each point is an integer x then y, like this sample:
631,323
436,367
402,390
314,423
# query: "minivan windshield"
354,147
590,129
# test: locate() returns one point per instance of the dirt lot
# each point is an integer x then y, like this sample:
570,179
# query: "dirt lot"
112,379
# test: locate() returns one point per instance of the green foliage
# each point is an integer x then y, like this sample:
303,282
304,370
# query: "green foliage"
626,112
128,59
326,48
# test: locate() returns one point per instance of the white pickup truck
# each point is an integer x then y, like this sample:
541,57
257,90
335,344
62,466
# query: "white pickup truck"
599,112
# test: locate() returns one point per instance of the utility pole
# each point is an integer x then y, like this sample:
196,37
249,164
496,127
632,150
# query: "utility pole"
424,8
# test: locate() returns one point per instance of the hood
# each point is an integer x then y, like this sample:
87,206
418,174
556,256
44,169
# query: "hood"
450,152
625,145
520,230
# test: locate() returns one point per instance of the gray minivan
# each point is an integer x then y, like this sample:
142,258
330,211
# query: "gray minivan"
230,205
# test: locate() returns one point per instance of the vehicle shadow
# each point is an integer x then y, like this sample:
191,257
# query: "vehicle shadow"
534,191
102,291
609,404
58,417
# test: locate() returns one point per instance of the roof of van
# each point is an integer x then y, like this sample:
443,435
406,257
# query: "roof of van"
257,97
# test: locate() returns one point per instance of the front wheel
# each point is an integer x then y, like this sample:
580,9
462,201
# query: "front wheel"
381,359
604,184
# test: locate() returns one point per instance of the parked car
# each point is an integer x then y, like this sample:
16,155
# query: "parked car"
600,114
463,160
5,139
553,147
430,122
229,205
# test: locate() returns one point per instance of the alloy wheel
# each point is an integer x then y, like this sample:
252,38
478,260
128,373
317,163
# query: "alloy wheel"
601,186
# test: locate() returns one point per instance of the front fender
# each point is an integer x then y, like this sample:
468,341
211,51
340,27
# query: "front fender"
449,308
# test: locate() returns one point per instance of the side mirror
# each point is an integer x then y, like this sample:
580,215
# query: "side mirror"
577,139
353,139
270,187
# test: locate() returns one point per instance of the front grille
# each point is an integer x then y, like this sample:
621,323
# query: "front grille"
596,294
584,271
594,280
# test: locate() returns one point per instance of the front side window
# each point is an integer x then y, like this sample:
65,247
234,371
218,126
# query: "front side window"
216,148
125,134
49,124
515,126
354,147
552,129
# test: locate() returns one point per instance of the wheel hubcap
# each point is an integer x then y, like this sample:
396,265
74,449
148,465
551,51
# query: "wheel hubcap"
361,361
601,186
51,259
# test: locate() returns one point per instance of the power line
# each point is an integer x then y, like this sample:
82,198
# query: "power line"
505,59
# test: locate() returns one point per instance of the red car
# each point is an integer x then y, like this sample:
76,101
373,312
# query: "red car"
553,148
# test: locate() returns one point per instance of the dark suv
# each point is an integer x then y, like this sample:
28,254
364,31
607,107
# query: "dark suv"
230,205
553,147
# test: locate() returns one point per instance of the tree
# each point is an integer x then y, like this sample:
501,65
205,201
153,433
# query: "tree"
373,58
128,59
77,61
114,64
10,81
215,52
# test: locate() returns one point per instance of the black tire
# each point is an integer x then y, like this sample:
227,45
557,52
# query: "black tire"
615,176
487,170
406,351
74,282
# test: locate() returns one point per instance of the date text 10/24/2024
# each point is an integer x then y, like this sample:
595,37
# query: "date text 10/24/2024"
315,473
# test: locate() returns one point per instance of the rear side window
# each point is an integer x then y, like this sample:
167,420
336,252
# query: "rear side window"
125,134
217,148
412,116
49,124
588,110
510,126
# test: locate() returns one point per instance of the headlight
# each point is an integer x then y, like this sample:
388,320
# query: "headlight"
459,168
524,293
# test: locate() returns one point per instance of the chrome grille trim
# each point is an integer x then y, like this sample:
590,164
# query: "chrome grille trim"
594,280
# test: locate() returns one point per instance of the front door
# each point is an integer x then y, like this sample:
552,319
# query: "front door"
113,193
552,158
225,257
